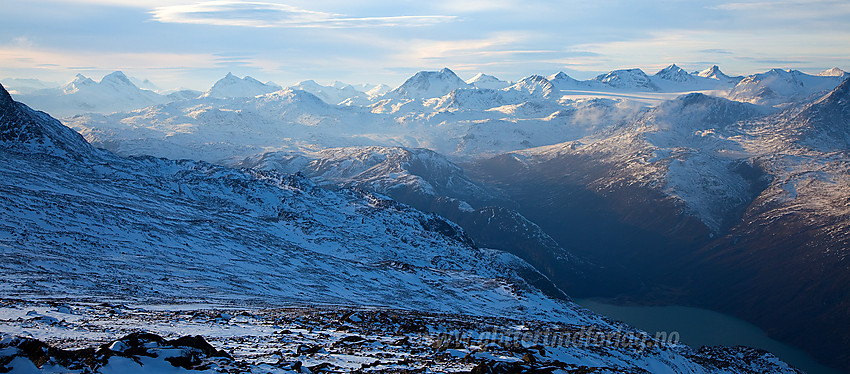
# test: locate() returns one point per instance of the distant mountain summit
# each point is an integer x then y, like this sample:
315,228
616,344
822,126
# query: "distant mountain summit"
336,93
562,81
536,86
628,79
80,82
482,80
428,84
115,92
674,73
834,72
232,86
714,72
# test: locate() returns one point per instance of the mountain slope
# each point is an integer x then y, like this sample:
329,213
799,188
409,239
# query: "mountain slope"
150,229
147,230
715,203
429,182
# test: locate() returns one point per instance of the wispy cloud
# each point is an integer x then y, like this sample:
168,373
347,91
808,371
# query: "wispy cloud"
263,14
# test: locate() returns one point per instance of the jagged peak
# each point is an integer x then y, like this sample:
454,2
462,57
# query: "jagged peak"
28,131
5,97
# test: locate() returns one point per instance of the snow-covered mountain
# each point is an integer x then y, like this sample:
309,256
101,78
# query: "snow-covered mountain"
777,87
676,74
714,72
115,92
183,94
536,87
427,84
627,79
485,81
562,81
834,72
232,86
375,90
334,94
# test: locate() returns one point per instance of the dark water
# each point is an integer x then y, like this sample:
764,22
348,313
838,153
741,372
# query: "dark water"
698,327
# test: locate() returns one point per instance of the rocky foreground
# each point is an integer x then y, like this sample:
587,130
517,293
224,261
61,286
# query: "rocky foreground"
56,336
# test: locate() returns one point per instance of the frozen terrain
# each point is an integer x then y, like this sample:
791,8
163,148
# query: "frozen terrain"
84,224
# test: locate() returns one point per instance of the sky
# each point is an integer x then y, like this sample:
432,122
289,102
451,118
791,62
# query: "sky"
191,44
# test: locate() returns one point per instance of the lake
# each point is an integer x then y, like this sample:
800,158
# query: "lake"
698,327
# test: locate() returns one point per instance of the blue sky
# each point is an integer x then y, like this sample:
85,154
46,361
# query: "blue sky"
191,44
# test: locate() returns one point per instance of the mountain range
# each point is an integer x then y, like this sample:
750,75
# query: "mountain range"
87,224
678,188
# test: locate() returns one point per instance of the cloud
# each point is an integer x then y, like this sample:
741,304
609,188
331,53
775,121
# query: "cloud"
718,51
263,14
804,10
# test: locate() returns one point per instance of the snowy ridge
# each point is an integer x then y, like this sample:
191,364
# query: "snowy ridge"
378,169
